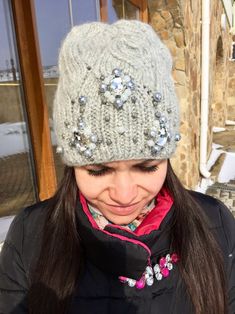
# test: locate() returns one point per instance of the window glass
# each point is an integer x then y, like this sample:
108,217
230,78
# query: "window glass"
122,9
54,19
85,11
17,184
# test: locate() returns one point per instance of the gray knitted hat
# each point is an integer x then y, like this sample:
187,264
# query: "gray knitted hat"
115,98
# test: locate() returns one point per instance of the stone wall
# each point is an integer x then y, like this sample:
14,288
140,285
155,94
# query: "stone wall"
178,23
179,28
231,90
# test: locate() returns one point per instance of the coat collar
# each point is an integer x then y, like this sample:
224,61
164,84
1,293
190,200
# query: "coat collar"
121,252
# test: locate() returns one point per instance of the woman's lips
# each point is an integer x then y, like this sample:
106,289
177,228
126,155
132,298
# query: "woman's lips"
123,210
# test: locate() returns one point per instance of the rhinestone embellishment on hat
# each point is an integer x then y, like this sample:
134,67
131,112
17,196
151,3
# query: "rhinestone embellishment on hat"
83,139
116,88
158,272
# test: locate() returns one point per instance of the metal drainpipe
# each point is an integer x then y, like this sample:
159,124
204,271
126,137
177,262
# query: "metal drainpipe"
205,53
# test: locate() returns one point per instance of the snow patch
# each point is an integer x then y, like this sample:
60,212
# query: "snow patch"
227,171
229,122
216,129
14,138
4,226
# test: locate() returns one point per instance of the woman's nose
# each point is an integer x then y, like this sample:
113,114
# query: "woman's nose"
123,190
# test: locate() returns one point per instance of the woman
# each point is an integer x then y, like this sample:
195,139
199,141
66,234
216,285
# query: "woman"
121,234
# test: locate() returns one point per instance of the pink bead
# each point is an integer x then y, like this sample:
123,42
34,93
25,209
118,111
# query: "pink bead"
122,279
165,272
162,262
140,284
174,258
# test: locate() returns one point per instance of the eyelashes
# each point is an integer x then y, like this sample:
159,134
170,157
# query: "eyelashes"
103,171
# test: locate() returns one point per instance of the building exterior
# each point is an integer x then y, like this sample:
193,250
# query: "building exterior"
179,24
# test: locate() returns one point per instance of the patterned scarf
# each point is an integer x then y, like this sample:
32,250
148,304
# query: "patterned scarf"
102,221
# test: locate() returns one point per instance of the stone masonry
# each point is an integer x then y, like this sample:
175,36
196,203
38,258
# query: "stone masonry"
178,23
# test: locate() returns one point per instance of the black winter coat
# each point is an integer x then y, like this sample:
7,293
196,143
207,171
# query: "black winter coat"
99,291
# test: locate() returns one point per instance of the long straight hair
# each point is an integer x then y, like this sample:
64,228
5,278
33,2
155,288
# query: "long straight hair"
61,259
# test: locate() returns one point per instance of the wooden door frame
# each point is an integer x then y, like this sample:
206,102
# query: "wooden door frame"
24,20
142,5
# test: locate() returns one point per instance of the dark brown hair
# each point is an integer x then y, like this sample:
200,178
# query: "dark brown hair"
61,257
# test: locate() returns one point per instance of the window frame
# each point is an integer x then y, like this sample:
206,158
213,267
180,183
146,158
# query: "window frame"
24,20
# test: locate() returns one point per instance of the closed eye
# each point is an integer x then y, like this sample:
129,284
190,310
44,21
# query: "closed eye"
106,170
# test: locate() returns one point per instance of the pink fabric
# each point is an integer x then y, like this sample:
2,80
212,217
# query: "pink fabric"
153,220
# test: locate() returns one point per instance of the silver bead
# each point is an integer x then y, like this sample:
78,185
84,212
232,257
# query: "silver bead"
88,153
134,115
169,266
82,149
72,142
157,96
162,132
102,77
116,84
157,115
161,141
150,281
82,100
131,282
118,103
130,85
81,125
108,142
177,137
135,139
159,276
94,138
59,150
121,130
168,257
92,146
107,118
149,270
78,146
156,149
169,110
133,99
163,119
103,88
66,124
117,72
156,269
152,133
150,143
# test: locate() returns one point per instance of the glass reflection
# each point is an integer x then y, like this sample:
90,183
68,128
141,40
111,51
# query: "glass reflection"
54,20
17,188
122,9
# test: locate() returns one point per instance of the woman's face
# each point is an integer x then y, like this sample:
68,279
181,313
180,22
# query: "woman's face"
121,189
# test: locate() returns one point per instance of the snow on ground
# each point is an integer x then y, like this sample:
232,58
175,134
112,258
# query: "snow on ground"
227,172
4,226
14,140
218,129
